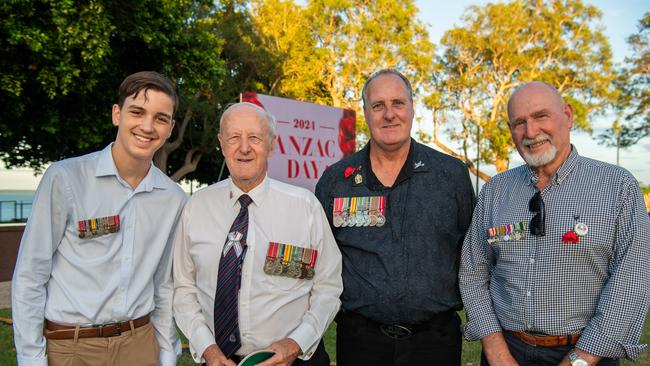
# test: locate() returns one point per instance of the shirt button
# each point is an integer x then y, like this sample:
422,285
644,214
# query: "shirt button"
527,293
532,260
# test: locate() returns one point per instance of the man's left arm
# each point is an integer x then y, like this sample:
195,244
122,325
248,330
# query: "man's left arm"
616,326
324,297
161,317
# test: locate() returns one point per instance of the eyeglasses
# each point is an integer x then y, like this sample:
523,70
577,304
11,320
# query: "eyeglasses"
537,223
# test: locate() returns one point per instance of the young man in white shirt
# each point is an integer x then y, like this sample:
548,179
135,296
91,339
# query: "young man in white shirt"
92,284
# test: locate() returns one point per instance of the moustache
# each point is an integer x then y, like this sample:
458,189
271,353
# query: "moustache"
540,138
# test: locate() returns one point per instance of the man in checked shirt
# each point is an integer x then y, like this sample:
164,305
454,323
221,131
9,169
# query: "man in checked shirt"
555,268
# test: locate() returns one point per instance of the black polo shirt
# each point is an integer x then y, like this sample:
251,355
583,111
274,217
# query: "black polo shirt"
407,270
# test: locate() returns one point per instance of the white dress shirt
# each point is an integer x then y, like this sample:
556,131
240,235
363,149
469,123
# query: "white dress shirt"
271,308
113,277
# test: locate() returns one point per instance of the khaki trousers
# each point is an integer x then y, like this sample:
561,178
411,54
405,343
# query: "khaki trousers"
135,347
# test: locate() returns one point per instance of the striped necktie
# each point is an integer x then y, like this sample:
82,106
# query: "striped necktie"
226,324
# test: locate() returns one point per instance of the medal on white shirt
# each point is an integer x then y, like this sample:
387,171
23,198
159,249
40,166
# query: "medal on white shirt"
98,226
290,261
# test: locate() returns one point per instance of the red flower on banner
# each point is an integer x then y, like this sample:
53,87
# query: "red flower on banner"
347,133
251,97
349,171
570,237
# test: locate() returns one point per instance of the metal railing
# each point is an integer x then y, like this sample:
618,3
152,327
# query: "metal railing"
20,211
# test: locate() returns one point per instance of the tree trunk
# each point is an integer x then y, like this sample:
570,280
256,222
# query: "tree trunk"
443,147
192,158
161,156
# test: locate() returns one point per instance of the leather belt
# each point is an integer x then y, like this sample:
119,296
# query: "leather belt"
61,331
546,340
396,331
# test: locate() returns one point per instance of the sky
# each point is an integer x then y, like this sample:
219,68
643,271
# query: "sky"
620,19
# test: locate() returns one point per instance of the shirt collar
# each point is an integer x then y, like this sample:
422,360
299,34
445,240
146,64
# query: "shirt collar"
106,167
257,194
565,169
416,162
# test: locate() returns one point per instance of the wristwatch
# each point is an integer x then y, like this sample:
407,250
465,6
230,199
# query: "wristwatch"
576,360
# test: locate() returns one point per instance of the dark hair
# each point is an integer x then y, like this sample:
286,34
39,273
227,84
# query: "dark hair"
377,73
145,80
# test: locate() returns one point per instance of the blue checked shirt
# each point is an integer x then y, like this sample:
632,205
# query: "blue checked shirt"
539,284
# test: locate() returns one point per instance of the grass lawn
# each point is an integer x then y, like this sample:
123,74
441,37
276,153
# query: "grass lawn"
471,350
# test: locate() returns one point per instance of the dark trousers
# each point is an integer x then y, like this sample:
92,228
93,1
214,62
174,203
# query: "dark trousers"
360,342
319,358
527,355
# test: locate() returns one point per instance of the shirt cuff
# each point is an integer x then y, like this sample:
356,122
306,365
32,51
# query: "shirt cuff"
476,329
166,358
594,342
29,361
307,339
200,341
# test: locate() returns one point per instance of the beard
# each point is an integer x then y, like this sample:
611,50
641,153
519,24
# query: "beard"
539,159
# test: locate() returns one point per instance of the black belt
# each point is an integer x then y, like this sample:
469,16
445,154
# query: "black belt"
399,331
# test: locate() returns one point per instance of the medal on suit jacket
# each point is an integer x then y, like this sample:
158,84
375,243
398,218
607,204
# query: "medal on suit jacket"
381,213
98,226
345,212
337,215
360,209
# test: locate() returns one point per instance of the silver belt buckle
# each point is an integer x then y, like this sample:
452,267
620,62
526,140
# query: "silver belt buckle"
117,325
396,331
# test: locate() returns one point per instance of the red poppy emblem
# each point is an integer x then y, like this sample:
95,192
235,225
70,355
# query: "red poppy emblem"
570,237
349,171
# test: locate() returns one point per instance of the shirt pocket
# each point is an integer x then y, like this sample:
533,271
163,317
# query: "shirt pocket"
289,267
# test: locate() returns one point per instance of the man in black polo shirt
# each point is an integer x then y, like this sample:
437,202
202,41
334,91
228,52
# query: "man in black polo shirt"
399,211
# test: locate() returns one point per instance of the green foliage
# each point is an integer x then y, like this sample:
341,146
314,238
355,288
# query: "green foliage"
634,81
327,49
502,45
65,60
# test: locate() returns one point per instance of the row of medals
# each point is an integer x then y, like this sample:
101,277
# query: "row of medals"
293,269
99,226
359,218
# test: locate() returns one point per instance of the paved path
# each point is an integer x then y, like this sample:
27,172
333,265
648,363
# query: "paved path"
5,294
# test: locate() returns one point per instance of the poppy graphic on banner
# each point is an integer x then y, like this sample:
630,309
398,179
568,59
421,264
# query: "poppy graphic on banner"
251,97
347,133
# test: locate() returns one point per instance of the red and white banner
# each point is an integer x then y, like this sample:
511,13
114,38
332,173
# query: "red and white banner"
311,137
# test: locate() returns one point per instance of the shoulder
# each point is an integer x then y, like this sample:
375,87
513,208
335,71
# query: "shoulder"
210,192
504,181
607,170
77,166
164,181
439,162
438,159
288,191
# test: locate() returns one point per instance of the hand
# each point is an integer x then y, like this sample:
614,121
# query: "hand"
286,351
214,357
591,359
496,350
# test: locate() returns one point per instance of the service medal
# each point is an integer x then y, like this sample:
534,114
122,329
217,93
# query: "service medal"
268,266
373,219
338,220
359,219
310,273
381,220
